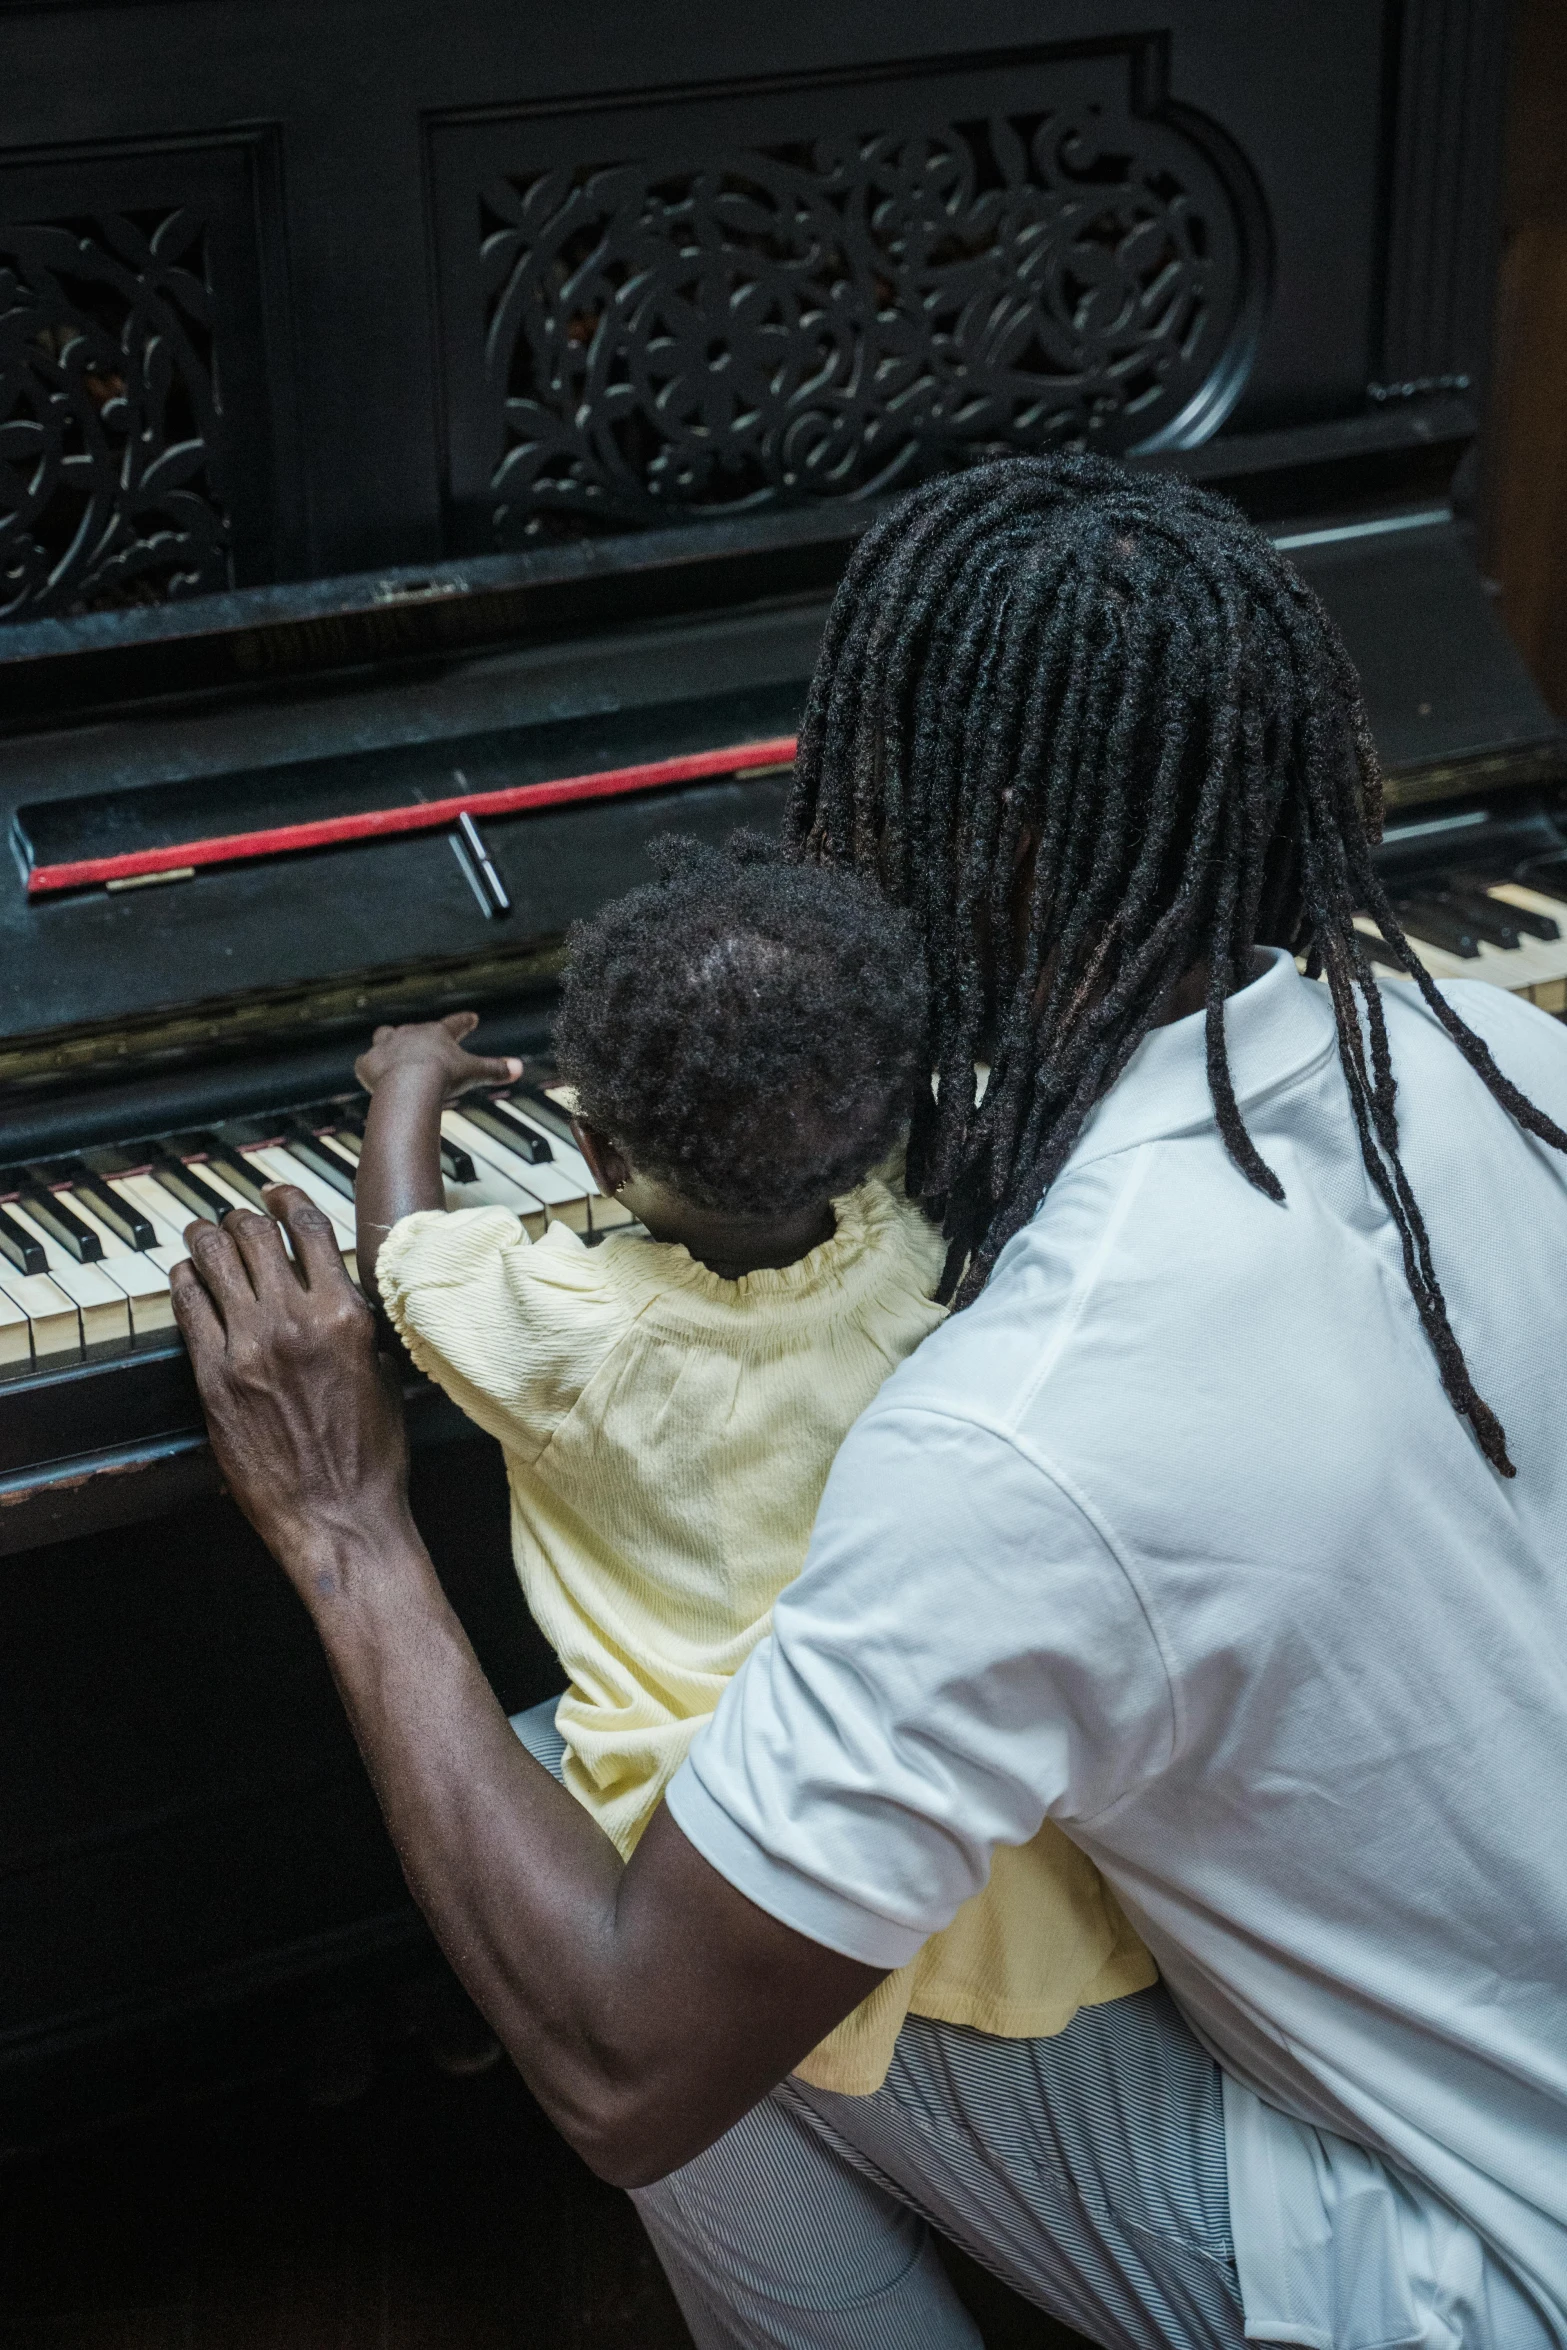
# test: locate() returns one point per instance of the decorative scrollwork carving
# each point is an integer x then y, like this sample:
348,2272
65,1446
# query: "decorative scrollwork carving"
108,415
839,318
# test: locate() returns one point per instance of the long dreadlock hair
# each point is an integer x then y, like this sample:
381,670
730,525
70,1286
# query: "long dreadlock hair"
1116,677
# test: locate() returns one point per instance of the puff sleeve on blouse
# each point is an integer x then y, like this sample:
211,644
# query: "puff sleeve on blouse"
512,1330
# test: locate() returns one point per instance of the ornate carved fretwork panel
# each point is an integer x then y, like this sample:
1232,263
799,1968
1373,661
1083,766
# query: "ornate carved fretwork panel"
136,365
108,414
694,330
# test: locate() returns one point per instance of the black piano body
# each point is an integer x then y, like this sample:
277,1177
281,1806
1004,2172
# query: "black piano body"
488,406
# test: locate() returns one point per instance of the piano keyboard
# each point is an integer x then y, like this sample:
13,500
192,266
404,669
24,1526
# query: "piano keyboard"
87,1243
1502,932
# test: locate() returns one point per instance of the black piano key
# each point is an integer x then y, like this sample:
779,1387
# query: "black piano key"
1488,919
251,1133
67,1230
543,1112
1439,925
77,1239
236,1171
1523,918
1532,923
302,1143
112,1158
19,1246
1547,874
500,1120
456,1165
325,1117
1380,952
126,1222
171,1174
327,1121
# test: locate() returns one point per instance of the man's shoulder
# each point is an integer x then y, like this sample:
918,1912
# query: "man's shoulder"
978,1366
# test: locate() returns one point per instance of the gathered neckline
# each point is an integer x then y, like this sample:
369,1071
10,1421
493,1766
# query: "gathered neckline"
862,1220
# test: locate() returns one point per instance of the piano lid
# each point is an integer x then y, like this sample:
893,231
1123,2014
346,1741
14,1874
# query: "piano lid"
1452,706
287,943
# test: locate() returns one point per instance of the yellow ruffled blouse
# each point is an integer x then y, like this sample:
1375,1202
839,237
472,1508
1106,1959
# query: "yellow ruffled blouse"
667,1436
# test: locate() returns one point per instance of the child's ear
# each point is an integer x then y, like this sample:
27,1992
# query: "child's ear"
608,1168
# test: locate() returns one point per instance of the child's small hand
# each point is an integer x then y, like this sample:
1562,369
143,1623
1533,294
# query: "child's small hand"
433,1049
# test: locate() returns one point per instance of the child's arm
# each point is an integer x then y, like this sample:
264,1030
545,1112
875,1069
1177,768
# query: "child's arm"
411,1074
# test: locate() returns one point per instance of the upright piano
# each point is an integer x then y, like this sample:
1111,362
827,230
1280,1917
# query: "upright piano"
429,441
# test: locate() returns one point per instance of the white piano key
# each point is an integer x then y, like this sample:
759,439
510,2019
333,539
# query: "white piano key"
110,1242
570,1161
216,1180
1536,967
278,1164
1548,985
135,1271
103,1307
564,1198
16,1340
161,1208
167,1216
606,1211
1534,901
56,1325
559,1181
501,1177
147,1293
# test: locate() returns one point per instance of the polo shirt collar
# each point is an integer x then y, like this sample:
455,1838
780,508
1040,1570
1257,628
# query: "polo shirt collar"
1275,1029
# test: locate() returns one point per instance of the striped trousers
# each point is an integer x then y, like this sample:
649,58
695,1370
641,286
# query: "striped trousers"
1086,2170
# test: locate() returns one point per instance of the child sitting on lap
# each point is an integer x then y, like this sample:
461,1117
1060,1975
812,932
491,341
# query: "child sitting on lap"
744,1038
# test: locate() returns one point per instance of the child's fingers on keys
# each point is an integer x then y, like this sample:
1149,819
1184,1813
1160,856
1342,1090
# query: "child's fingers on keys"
504,1070
460,1024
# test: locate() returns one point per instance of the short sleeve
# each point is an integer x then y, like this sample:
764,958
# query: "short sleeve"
961,1656
512,1331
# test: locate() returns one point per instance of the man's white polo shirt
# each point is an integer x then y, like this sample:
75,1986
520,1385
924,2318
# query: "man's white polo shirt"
1175,1537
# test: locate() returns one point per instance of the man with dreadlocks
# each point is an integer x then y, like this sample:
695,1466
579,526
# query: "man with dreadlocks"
1223,1526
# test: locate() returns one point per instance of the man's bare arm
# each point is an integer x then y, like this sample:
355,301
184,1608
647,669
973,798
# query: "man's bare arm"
648,2006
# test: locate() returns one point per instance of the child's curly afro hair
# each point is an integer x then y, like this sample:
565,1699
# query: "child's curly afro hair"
747,1030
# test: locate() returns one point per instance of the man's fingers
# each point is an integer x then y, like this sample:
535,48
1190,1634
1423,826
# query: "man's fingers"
223,1270
314,1243
194,1313
260,1245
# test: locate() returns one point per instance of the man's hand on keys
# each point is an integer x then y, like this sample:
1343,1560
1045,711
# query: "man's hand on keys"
305,1418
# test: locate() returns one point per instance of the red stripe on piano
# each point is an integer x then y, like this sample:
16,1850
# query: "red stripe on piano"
423,816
